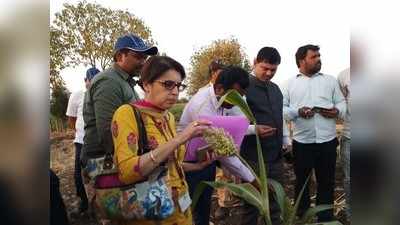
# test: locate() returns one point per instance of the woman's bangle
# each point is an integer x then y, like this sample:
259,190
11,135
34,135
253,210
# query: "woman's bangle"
153,158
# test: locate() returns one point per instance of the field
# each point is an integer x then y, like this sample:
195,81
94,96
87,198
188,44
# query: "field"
62,162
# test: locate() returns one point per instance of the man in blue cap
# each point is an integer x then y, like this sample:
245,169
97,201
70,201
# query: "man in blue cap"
75,121
109,90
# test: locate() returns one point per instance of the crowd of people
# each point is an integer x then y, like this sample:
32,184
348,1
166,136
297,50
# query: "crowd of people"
123,140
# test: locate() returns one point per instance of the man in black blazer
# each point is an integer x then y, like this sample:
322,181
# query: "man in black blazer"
265,100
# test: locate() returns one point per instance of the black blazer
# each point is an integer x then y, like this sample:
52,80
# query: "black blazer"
265,100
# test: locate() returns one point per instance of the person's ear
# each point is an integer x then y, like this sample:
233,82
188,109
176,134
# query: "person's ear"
118,57
146,87
302,62
219,89
253,66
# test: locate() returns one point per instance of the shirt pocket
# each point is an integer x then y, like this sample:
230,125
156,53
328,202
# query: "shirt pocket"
323,95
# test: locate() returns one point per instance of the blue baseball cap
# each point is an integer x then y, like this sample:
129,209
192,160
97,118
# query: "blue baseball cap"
134,43
90,73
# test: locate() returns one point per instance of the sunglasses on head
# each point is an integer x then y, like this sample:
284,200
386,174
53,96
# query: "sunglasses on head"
170,84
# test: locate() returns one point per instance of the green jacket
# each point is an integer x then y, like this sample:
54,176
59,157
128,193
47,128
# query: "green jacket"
108,91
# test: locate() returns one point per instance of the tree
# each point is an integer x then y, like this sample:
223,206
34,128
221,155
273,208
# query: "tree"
227,50
57,57
88,32
59,102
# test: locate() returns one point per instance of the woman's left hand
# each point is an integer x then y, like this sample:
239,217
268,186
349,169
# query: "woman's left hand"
194,129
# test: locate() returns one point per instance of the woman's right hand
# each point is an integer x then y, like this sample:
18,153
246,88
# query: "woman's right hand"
194,129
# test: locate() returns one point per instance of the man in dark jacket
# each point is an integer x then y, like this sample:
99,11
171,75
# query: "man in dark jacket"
109,90
266,102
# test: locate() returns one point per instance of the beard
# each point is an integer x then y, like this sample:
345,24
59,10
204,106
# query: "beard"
136,70
315,69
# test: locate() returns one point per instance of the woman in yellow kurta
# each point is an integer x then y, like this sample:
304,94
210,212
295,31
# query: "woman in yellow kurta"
161,80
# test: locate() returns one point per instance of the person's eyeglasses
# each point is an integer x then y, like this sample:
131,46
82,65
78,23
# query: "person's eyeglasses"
170,84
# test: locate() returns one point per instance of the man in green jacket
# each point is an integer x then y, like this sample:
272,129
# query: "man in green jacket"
109,90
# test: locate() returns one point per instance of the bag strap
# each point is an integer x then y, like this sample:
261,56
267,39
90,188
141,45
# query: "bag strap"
143,146
142,142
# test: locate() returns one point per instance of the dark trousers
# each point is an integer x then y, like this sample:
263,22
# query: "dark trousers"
58,214
201,213
80,188
322,158
250,213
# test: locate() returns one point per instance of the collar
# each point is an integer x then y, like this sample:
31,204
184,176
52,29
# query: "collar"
149,108
257,81
126,76
314,75
213,97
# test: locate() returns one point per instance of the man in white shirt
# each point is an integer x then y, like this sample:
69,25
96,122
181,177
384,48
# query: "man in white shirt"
344,83
75,121
214,69
313,101
205,102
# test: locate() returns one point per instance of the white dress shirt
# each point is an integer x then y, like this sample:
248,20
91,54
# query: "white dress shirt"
319,90
204,102
75,109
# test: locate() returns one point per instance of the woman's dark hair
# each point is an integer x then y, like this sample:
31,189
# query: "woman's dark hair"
232,75
156,66
302,52
269,55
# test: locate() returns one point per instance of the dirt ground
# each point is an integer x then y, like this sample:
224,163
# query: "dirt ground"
62,163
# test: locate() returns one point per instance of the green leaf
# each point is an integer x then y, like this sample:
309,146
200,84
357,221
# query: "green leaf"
311,212
283,201
280,194
296,206
197,193
288,212
248,166
234,98
263,175
244,191
256,193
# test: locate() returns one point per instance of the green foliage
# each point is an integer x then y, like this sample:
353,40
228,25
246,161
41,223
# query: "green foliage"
227,50
57,57
183,100
177,110
59,102
57,124
260,198
86,33
245,191
234,98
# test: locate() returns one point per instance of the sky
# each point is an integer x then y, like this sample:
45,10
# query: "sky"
182,27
